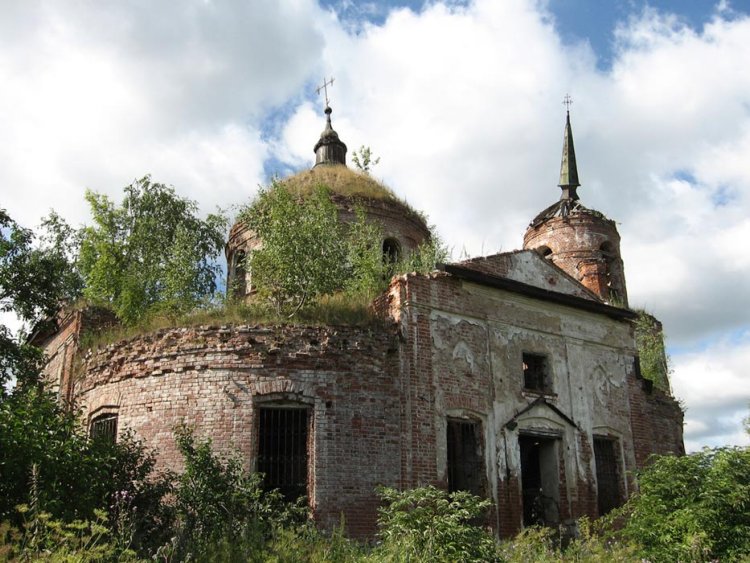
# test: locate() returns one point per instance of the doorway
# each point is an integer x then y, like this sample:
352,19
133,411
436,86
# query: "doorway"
540,480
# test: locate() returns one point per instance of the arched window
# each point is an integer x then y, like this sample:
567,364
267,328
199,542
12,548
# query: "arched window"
284,431
104,427
545,252
465,456
608,255
391,251
239,283
608,483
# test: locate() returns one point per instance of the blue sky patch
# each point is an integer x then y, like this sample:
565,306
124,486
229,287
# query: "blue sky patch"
685,176
737,337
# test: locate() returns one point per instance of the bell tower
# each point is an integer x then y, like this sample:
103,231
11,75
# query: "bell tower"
581,241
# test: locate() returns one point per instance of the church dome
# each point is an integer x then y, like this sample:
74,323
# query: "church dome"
403,228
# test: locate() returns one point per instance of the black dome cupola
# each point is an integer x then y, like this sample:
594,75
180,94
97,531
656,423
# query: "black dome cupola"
329,149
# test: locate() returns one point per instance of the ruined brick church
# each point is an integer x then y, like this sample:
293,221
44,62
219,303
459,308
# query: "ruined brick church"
513,376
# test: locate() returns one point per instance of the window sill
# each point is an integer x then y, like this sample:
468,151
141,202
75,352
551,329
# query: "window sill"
537,393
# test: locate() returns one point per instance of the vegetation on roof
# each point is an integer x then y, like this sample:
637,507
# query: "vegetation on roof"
331,310
652,354
339,179
344,181
308,252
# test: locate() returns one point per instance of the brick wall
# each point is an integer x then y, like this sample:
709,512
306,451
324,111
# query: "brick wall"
60,338
656,419
576,244
214,377
380,398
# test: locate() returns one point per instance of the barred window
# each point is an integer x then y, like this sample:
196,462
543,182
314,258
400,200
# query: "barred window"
607,476
282,449
465,458
104,427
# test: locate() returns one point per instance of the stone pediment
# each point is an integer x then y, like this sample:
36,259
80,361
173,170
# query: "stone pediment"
540,413
527,266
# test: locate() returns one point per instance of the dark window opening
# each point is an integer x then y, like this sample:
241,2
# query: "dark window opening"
240,274
607,477
545,252
465,459
637,367
608,256
282,450
540,481
391,251
104,427
536,373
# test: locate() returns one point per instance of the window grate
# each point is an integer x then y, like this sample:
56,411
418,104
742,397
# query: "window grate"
607,478
464,457
104,427
282,450
535,373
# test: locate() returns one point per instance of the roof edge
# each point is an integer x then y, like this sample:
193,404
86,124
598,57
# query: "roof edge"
514,286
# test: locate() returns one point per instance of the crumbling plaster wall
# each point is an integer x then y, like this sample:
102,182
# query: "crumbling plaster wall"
527,267
463,354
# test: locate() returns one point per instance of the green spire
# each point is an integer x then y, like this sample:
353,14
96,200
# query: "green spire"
568,169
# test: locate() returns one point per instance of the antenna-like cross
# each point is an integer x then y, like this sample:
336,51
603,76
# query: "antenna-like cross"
324,87
567,101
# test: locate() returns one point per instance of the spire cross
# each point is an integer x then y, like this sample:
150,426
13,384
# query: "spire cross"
324,87
567,102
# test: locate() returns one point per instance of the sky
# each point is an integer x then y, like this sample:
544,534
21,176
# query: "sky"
461,100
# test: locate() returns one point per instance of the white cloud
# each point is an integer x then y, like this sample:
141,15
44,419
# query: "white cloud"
714,386
95,95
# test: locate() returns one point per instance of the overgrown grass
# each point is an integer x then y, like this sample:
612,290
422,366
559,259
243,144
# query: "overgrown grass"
344,181
341,180
654,360
338,309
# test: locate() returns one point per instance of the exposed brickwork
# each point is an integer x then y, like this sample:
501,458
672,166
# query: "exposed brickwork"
380,398
656,420
60,337
586,245
213,378
461,354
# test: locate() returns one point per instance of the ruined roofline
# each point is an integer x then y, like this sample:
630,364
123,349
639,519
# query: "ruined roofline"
478,260
565,208
527,290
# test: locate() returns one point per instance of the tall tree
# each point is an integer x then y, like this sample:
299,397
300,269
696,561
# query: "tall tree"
307,252
304,250
150,253
36,275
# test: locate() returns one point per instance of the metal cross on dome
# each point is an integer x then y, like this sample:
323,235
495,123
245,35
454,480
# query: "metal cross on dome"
567,102
324,87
